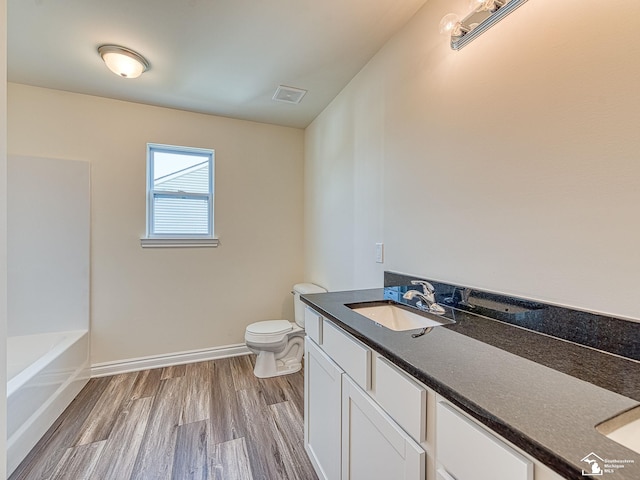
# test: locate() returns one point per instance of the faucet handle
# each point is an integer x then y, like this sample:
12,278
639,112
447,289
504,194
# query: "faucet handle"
427,288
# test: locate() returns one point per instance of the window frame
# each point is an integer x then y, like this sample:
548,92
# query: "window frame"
185,239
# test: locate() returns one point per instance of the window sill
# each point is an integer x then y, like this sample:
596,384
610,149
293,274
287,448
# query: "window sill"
178,242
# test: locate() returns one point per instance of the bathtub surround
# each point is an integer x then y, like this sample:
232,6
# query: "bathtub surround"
48,243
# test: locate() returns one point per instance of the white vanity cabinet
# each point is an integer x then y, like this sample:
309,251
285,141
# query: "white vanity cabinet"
348,435
366,419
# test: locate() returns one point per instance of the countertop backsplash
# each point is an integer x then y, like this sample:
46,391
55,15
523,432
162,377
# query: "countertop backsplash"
608,334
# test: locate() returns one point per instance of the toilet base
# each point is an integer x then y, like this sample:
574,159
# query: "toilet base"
272,364
267,366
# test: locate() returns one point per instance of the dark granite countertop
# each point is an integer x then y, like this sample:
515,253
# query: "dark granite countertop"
543,394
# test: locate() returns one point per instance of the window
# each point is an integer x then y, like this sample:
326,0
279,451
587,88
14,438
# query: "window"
179,196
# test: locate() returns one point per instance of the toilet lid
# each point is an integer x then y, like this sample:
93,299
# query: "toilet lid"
270,327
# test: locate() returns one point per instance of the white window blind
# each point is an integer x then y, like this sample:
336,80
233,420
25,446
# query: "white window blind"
180,215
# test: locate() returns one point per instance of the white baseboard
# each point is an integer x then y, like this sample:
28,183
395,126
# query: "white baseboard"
158,361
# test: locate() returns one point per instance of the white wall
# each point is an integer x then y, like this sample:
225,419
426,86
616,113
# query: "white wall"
48,245
156,301
3,236
511,165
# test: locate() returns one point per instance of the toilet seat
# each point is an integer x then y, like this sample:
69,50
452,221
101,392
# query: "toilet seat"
268,331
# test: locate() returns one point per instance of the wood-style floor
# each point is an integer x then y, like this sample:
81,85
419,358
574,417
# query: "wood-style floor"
203,421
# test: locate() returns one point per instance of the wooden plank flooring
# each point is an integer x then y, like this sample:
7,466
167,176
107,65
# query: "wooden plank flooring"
203,421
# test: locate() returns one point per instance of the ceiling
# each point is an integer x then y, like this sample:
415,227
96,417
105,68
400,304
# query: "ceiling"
221,57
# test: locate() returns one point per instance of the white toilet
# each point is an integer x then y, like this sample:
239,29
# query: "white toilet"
279,344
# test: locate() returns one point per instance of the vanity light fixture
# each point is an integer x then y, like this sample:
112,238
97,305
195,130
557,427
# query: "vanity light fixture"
484,15
123,61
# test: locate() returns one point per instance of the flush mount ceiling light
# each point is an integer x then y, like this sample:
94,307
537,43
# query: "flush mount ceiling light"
123,61
288,94
484,15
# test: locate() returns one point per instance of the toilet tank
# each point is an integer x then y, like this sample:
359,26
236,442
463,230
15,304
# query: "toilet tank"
298,306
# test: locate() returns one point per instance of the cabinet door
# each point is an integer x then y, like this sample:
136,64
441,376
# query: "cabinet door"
322,406
373,446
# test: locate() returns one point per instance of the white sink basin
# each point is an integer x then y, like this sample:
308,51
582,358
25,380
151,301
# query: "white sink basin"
396,318
624,429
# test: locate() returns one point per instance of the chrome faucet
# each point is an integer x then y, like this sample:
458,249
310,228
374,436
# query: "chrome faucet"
427,297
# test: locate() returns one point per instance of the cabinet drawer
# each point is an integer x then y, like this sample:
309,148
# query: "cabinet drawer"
402,398
313,325
353,357
468,452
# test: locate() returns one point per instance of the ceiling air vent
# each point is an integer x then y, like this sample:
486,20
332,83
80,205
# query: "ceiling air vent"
288,94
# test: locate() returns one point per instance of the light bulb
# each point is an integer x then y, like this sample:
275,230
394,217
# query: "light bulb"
449,24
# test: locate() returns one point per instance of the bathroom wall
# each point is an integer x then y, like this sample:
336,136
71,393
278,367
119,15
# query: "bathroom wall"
157,301
511,165
3,235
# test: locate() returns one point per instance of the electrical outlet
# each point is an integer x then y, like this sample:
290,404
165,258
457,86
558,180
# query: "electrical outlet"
379,252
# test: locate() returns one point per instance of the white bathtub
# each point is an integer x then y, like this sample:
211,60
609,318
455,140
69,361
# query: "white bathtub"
44,374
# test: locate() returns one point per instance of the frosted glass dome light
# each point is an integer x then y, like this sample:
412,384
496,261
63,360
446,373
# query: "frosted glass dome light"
122,61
